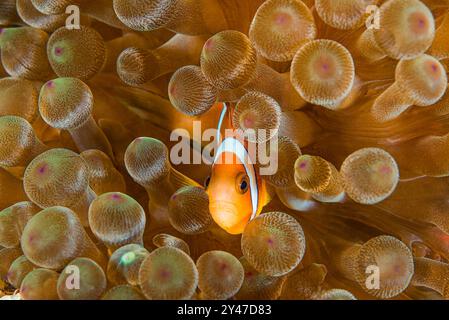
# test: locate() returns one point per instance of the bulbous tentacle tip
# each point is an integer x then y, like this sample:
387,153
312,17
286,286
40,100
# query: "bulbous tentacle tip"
15,90
19,142
258,286
304,283
124,264
60,170
284,153
18,270
54,237
391,260
40,284
188,210
406,30
24,53
168,273
423,79
323,73
33,17
145,16
257,117
267,239
137,66
8,255
312,174
79,53
320,178
220,274
65,103
190,92
50,7
280,28
13,220
228,60
167,240
91,288
370,175
117,219
123,292
337,294
103,176
147,160
346,14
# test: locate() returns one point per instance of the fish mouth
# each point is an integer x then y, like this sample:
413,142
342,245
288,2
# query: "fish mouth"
227,215
223,205
224,213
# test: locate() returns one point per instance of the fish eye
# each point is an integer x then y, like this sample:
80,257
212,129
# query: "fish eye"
206,182
242,185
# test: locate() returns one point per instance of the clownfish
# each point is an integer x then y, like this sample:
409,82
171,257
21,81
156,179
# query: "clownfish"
236,191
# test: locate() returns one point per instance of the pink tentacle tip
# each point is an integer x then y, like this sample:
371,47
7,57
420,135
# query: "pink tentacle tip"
42,169
116,196
59,51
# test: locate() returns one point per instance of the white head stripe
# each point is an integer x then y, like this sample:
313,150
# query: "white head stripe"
234,146
220,121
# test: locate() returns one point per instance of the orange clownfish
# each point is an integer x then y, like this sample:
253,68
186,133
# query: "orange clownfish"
236,191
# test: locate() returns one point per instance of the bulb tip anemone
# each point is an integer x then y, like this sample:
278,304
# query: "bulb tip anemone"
323,73
370,175
117,219
124,264
257,116
168,273
220,274
60,170
147,160
343,14
18,141
394,262
78,53
280,28
337,294
52,237
123,292
65,103
145,16
167,240
407,28
423,78
14,90
312,173
273,243
50,7
136,66
190,92
92,281
40,284
188,210
287,151
228,60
